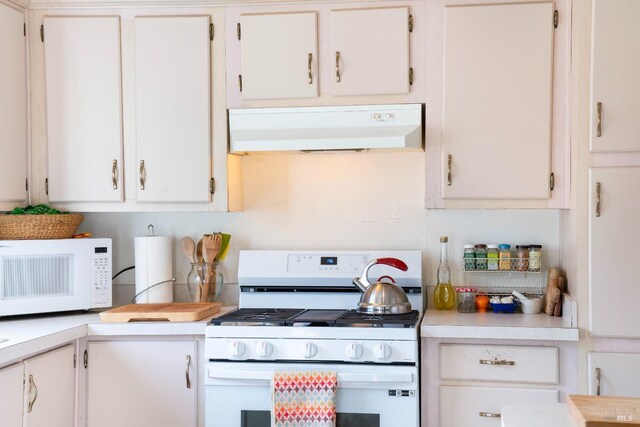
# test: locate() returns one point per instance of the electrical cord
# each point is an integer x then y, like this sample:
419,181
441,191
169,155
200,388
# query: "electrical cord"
133,300
123,270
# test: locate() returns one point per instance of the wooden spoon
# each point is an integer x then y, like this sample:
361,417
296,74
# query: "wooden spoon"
188,248
199,256
216,244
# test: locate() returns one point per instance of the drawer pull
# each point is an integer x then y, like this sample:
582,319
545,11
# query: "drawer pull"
598,374
497,362
489,415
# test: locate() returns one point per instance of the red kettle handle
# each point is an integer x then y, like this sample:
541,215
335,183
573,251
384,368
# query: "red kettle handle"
393,262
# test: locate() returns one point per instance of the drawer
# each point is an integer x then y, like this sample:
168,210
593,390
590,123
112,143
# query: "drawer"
499,363
480,406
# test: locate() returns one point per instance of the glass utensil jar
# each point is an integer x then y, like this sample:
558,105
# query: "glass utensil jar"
444,297
201,290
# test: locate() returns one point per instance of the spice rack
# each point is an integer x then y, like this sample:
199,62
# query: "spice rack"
499,282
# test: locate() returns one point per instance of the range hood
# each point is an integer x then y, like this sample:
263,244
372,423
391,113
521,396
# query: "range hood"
326,128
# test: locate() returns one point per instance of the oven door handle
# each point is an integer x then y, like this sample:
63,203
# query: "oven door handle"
343,377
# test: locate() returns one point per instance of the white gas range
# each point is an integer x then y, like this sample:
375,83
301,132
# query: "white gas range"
297,313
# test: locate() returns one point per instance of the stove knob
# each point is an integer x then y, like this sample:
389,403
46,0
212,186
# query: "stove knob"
236,348
354,351
309,350
264,349
382,351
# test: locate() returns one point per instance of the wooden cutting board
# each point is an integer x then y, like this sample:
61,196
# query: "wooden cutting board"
174,312
604,411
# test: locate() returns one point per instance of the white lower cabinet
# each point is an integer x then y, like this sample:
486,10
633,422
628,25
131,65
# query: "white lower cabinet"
142,383
11,395
480,406
614,374
50,389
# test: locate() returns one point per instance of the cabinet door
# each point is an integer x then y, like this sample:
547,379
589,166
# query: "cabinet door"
145,380
172,58
84,115
11,395
279,55
50,389
370,51
481,406
497,101
615,102
13,106
613,251
614,374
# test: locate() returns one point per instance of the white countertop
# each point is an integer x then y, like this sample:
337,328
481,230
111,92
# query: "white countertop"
29,335
516,326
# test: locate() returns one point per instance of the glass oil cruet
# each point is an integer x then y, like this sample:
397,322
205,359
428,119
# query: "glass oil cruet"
444,297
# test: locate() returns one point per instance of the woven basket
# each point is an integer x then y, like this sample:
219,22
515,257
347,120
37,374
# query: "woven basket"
31,227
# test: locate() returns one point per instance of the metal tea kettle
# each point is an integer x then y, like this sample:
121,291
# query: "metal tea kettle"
382,297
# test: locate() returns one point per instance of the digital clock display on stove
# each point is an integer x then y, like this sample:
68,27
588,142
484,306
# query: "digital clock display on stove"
328,260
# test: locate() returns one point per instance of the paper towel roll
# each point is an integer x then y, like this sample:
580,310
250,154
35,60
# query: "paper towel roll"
153,260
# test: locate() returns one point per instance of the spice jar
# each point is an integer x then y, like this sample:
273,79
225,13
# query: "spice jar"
469,257
466,298
505,257
481,257
535,257
522,257
492,257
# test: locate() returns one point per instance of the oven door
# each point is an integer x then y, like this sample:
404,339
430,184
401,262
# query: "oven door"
239,394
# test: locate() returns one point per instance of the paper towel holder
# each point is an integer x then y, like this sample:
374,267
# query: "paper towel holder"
133,300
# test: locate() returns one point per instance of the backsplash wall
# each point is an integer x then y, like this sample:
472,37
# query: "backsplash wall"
331,201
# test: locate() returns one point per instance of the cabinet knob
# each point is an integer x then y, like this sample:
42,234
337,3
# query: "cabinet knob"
598,190
449,160
337,67
489,414
598,374
114,175
187,371
599,123
310,59
32,388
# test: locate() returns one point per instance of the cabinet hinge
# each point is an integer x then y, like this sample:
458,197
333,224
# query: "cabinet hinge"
86,359
75,360
24,29
411,76
411,23
240,82
211,31
42,33
26,184
552,181
46,186
239,31
556,18
212,185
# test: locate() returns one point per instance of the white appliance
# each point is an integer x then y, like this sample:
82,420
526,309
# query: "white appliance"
296,313
359,127
41,276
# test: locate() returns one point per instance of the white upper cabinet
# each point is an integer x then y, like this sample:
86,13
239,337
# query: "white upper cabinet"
615,94
614,201
497,101
370,51
13,106
173,108
279,55
84,114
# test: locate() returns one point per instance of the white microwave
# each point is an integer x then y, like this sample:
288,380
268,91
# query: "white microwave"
42,276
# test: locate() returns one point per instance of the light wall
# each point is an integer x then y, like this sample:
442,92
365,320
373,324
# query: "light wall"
345,201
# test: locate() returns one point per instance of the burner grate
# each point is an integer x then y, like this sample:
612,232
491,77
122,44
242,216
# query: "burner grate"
258,316
353,318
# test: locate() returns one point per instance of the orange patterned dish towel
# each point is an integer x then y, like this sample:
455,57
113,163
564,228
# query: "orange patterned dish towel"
304,399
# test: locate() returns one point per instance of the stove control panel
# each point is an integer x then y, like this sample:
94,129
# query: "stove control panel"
293,349
314,263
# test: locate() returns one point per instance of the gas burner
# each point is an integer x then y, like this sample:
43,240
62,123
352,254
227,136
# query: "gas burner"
257,316
353,318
